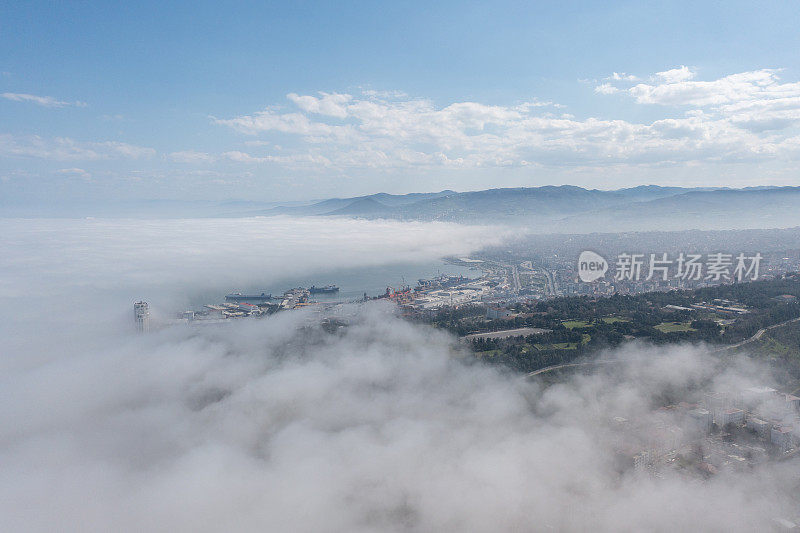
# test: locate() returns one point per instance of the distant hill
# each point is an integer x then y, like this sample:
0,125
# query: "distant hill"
568,208
777,207
339,206
368,206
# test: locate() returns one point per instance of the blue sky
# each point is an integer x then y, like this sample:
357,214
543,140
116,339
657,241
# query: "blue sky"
299,100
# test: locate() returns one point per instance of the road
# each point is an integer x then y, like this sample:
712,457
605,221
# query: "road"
758,334
502,334
569,365
515,278
551,284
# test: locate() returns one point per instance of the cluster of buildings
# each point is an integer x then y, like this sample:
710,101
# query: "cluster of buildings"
495,288
723,430
501,284
721,306
469,292
645,446
433,294
225,310
236,305
555,274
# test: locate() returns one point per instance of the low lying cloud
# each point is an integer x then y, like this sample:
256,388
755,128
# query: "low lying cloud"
70,277
50,256
275,424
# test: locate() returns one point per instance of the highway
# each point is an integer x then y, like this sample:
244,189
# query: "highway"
551,284
502,334
758,334
569,365
515,278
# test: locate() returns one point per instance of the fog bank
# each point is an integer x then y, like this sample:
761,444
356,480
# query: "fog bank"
277,425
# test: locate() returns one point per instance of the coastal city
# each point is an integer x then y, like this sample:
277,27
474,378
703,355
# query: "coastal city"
499,280
701,434
528,311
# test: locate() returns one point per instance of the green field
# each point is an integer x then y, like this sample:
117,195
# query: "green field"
557,346
571,324
672,327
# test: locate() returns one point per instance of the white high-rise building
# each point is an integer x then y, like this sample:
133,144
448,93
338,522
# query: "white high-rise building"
141,312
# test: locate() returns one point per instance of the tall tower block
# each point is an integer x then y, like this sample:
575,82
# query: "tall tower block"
141,312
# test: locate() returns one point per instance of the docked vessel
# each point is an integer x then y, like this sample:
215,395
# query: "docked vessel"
327,289
251,298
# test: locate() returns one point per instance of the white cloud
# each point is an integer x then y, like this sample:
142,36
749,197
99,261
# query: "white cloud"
621,76
748,116
526,106
343,132
129,151
748,108
384,95
745,116
678,87
333,105
606,88
44,101
191,156
66,149
243,157
74,172
682,73
298,159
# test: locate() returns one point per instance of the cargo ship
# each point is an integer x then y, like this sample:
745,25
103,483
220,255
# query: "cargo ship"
327,289
251,298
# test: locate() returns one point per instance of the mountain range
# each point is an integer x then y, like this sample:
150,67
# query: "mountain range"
574,209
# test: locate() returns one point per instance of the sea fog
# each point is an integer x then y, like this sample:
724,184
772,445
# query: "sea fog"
275,424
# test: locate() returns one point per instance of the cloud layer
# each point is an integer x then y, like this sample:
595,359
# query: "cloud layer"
149,255
741,116
672,126
81,272
277,425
